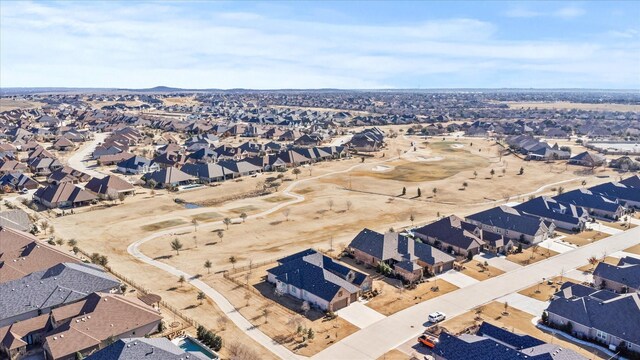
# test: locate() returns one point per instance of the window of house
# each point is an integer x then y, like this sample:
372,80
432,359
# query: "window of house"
601,335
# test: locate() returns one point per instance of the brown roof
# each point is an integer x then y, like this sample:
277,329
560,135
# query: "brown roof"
11,335
21,254
97,318
63,192
108,184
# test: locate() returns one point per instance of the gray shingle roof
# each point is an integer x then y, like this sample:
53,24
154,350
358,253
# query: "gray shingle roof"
61,284
143,348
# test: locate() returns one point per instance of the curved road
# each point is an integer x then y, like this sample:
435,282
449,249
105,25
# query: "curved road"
228,309
77,160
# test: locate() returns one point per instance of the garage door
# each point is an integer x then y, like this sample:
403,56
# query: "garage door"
340,304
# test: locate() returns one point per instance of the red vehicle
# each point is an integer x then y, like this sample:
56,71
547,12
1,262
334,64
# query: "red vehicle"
428,340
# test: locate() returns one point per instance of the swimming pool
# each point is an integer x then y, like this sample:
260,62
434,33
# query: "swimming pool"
192,345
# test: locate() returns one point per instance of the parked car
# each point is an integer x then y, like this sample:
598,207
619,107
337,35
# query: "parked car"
428,340
437,317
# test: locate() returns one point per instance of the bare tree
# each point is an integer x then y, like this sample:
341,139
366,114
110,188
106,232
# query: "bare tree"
195,224
220,234
286,213
243,216
296,172
176,245
207,265
181,280
201,296
233,261
349,204
227,222
330,204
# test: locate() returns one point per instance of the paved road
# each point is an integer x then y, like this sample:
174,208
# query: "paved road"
78,159
375,340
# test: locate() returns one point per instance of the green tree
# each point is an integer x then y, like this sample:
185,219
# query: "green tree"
201,296
243,216
492,172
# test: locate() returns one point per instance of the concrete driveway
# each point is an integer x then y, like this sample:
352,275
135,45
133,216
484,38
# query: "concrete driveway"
556,246
603,228
524,303
360,314
457,278
498,262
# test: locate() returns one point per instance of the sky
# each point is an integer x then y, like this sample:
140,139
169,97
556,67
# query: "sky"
328,44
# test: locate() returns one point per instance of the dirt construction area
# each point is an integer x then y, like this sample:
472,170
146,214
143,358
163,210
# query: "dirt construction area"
340,198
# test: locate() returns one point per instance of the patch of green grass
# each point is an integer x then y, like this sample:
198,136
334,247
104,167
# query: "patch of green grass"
208,216
277,198
163,224
243,209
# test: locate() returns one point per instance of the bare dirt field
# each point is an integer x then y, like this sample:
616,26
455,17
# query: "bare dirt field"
516,320
394,355
634,249
531,255
479,271
569,105
11,104
395,298
620,226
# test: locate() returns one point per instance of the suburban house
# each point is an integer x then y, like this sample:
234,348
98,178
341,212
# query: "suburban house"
600,316
110,187
408,258
587,159
535,149
88,325
17,182
206,172
15,219
563,215
63,196
145,348
44,166
47,289
594,203
367,140
63,144
452,234
512,224
621,278
22,254
15,338
168,177
137,165
319,280
625,195
632,181
495,343
625,163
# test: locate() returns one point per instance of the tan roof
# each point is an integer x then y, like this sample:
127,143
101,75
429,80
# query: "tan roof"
21,254
108,184
11,335
100,316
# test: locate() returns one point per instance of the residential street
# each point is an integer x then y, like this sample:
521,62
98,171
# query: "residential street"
77,160
375,340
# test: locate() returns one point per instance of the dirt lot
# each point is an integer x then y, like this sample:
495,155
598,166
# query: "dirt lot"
543,291
584,237
634,249
570,105
392,299
516,320
284,313
11,104
531,255
479,271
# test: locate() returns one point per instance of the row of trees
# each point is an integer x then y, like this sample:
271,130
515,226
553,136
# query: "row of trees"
208,338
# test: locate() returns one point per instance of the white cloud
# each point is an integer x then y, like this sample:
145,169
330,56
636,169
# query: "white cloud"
569,12
87,45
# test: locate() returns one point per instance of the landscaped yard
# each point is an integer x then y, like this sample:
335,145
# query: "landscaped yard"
609,260
619,225
391,299
584,237
479,271
516,320
529,256
543,291
280,316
